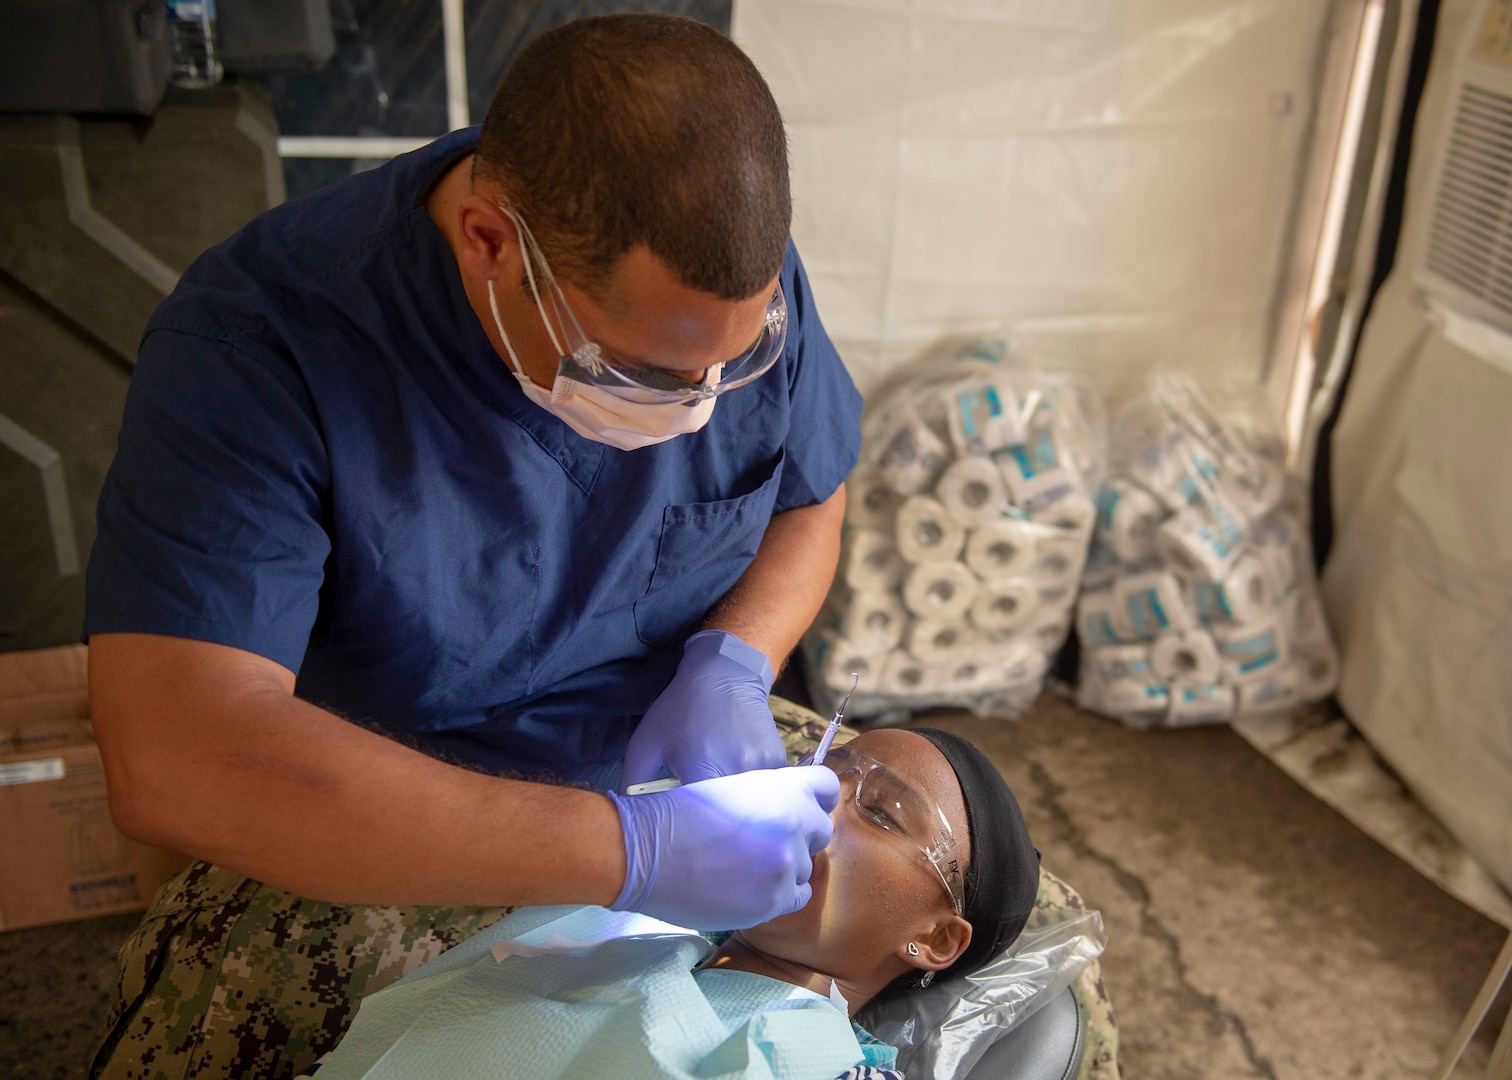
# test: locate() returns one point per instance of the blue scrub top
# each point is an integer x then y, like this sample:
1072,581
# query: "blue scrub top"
323,461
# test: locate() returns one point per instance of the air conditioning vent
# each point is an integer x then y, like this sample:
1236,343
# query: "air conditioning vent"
1466,237
1470,237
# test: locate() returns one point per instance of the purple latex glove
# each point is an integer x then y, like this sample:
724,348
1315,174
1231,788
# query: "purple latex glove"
727,853
713,718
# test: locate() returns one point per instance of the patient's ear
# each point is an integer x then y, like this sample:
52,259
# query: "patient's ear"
940,946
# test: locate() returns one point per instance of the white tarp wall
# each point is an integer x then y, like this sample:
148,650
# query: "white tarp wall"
1419,585
1111,181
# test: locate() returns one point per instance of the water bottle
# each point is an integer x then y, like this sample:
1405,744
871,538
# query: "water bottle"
191,34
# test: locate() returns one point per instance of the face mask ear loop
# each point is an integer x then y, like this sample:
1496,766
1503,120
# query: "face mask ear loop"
493,305
529,251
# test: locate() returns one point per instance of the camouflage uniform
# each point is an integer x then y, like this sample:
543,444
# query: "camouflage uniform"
229,977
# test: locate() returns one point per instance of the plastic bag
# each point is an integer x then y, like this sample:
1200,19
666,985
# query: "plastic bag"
967,526
942,1031
1200,600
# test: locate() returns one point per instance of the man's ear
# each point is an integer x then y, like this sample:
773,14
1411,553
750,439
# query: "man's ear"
488,241
939,946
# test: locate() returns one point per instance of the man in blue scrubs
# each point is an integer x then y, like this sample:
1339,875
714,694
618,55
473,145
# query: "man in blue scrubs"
448,499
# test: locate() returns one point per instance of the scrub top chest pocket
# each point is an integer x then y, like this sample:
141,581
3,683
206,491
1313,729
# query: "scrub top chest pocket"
704,548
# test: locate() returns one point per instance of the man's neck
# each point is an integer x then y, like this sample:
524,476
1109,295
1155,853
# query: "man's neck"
737,954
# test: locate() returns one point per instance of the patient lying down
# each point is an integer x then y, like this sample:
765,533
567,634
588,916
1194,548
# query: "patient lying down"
930,874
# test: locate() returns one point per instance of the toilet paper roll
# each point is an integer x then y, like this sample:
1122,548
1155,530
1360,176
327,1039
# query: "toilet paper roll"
913,457
1130,698
1034,470
926,532
1115,663
939,590
1191,705
905,676
1316,672
1252,652
1058,559
1127,519
1152,603
933,642
1255,492
1306,620
1186,658
841,658
1002,605
1072,513
1003,549
1275,691
1278,542
1247,595
1102,620
1200,542
874,620
870,501
1049,633
972,491
985,416
967,675
872,561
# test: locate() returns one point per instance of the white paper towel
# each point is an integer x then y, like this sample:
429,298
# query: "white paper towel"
1128,697
972,491
1152,603
933,642
870,501
939,590
1201,541
874,620
926,532
1247,594
1003,549
1187,658
1127,519
1114,663
1191,705
1252,652
1002,605
913,457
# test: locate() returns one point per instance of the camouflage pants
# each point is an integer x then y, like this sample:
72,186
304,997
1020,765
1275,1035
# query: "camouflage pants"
228,977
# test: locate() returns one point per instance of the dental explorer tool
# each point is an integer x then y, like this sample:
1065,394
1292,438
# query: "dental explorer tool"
834,725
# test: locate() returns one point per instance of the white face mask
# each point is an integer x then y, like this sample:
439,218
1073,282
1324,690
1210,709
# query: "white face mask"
594,412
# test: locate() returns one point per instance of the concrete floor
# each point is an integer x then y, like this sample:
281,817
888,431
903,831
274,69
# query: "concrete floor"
1253,931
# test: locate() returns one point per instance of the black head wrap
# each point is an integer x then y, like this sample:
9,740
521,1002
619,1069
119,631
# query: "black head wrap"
1002,877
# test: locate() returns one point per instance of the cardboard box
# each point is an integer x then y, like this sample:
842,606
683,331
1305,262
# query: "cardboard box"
60,856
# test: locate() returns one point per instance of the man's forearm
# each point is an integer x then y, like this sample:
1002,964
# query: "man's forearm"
232,768
778,596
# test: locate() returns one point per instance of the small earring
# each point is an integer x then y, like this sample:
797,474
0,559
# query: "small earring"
927,979
913,950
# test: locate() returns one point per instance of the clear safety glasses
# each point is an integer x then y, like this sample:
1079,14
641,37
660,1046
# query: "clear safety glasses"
888,801
585,361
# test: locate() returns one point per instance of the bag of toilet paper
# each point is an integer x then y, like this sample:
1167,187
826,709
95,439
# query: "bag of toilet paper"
1199,601
966,532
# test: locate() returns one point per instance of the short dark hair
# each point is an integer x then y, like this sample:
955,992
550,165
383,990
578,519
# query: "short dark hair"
620,130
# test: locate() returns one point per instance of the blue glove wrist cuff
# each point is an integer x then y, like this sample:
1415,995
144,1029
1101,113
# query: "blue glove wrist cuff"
638,881
731,647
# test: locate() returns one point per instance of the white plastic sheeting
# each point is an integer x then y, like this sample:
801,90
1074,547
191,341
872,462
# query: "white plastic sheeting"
1110,181
1419,585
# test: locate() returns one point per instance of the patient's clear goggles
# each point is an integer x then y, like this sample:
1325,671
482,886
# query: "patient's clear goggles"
585,361
888,801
